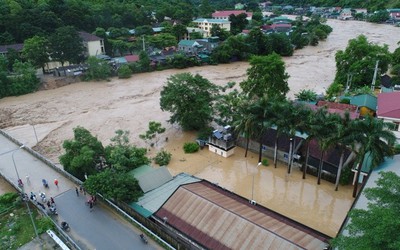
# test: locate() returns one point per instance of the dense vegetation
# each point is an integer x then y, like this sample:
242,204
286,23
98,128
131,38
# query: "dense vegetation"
105,167
371,5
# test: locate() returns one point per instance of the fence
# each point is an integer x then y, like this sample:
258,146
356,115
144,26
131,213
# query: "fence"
135,218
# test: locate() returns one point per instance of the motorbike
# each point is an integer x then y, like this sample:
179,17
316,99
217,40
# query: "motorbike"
43,196
45,184
53,210
144,239
65,226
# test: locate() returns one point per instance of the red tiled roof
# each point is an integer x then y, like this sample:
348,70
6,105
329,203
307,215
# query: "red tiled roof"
389,105
341,112
227,13
336,105
132,58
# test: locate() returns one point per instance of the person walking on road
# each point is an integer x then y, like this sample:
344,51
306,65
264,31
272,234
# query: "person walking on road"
52,200
77,191
91,205
56,182
27,179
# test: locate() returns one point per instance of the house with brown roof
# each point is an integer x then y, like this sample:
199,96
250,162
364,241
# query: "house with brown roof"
5,48
210,217
224,14
94,45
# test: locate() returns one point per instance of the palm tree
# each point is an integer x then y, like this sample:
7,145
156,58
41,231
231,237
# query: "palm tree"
245,124
375,138
324,125
344,137
262,112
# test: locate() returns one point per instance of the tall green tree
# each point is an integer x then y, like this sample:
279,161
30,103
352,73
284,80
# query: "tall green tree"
4,79
24,80
377,226
358,60
266,76
114,185
193,109
238,23
376,140
66,45
98,69
345,139
82,153
36,51
122,156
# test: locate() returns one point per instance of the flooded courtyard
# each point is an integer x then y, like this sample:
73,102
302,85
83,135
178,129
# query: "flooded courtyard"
48,117
317,206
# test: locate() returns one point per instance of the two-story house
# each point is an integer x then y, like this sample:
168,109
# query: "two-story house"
94,45
206,25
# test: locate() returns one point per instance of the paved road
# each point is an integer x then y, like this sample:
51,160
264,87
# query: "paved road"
99,229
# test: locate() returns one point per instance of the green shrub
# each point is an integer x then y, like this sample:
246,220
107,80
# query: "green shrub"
190,147
397,149
8,198
43,224
345,177
124,71
163,158
265,162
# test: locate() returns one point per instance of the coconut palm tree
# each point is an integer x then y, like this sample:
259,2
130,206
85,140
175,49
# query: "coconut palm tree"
344,138
262,112
245,124
375,138
324,125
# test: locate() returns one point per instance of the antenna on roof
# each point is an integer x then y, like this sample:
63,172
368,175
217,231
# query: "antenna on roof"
374,78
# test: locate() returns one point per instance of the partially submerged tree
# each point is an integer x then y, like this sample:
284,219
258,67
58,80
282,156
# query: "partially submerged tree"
266,77
123,156
150,136
358,60
189,98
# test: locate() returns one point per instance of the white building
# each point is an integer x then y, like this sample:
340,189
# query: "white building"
206,25
94,45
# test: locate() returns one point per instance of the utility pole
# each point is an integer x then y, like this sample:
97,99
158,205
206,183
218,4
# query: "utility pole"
144,48
375,73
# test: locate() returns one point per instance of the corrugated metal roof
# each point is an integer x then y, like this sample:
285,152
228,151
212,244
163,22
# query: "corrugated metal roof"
389,105
219,219
153,179
155,198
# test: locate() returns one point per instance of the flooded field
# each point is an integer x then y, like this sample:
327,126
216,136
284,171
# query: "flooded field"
129,104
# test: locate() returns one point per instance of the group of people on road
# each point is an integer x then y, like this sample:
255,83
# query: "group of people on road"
51,204
90,201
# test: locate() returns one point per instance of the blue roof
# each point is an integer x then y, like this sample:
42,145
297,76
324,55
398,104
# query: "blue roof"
154,199
364,100
190,43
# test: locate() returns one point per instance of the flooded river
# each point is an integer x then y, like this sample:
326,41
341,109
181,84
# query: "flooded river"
129,104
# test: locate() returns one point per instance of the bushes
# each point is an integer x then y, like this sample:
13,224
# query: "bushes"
124,71
190,147
163,158
265,162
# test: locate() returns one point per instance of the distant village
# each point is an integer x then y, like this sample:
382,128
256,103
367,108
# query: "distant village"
275,20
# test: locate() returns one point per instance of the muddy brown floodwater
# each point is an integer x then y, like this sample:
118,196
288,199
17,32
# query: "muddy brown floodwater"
129,104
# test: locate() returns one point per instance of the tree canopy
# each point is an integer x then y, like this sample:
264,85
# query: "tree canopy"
189,99
377,226
266,76
358,61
